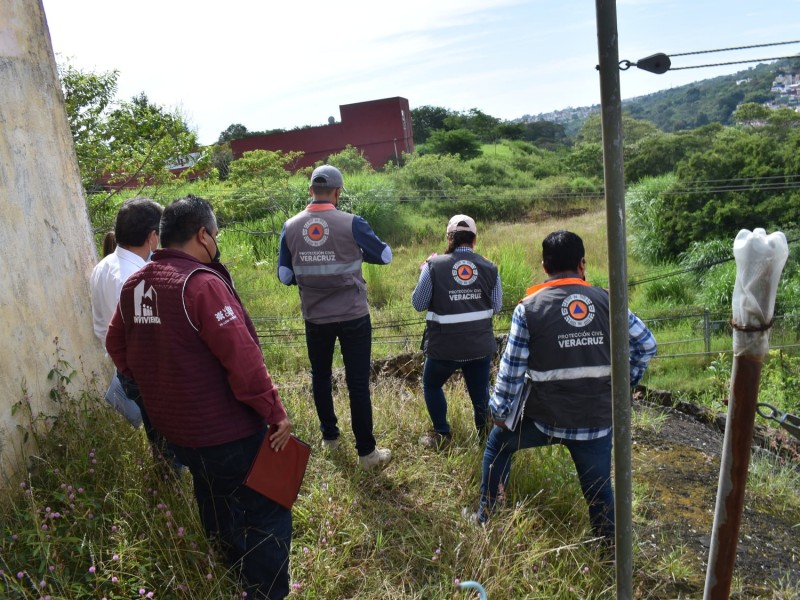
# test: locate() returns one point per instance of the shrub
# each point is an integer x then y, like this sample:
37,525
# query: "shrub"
350,160
670,291
645,209
432,176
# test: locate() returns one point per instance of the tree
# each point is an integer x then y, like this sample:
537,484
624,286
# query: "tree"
633,129
461,142
660,153
221,158
483,125
262,170
546,134
86,98
735,182
144,140
432,176
261,182
508,130
236,131
586,159
751,114
128,143
427,119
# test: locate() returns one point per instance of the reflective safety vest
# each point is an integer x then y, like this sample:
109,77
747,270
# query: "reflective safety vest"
570,354
459,318
327,266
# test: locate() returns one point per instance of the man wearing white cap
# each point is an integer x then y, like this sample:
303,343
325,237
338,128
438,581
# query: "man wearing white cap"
321,251
461,290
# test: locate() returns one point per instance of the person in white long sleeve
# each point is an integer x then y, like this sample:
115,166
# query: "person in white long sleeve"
136,232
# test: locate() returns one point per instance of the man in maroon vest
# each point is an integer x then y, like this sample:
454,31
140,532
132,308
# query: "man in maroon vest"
181,331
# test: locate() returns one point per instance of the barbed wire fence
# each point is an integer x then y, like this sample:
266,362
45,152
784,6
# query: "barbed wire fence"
400,330
693,332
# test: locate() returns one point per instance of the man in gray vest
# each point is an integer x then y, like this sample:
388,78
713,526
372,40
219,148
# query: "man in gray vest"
461,290
321,251
554,381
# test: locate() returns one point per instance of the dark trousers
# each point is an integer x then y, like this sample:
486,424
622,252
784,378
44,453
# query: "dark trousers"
476,377
254,532
355,340
162,452
592,460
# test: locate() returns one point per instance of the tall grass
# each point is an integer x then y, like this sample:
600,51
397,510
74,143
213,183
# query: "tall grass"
88,516
91,518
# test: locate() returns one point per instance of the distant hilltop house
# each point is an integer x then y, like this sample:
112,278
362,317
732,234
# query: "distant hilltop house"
381,129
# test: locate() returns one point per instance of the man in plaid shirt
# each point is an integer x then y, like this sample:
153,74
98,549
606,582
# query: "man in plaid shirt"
554,381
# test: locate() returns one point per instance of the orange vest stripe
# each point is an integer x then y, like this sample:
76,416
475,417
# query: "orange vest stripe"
534,289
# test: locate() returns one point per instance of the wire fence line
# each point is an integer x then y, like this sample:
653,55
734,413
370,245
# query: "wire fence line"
699,332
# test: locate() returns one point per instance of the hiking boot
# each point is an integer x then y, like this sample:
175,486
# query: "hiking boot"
330,445
436,440
379,457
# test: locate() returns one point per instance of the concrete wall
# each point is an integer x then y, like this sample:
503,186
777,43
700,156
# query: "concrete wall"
46,246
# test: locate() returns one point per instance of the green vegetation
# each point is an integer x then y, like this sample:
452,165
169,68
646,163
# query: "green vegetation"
89,518
119,143
710,101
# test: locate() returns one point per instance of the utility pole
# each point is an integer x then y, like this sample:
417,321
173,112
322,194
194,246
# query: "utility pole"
614,174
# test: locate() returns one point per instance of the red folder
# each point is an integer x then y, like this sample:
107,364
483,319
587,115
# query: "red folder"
278,475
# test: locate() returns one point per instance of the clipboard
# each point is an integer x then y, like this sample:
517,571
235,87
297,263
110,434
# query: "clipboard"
278,475
518,407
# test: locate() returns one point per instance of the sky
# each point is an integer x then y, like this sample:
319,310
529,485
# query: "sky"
270,64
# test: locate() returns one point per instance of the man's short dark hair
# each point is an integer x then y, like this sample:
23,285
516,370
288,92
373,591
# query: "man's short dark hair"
135,220
562,252
322,190
183,218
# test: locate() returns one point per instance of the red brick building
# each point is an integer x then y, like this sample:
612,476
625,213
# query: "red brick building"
381,129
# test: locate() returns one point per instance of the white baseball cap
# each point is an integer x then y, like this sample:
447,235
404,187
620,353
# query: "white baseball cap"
462,223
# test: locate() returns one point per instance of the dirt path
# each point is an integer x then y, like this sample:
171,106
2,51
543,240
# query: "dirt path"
676,471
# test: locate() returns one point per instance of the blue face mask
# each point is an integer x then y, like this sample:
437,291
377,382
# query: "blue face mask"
149,254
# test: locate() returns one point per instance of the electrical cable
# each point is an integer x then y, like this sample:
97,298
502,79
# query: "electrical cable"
732,62
735,48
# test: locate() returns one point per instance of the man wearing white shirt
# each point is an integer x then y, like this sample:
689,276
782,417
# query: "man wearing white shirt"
136,232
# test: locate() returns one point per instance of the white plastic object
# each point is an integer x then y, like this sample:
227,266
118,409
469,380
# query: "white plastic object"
759,263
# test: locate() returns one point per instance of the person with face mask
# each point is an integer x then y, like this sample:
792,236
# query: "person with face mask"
181,331
136,236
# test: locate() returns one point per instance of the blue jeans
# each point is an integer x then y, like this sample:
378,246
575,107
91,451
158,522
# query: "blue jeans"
355,340
476,377
254,532
592,460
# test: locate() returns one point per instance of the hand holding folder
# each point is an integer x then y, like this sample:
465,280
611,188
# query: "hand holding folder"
278,475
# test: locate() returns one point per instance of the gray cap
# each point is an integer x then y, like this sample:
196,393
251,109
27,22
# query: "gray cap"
327,176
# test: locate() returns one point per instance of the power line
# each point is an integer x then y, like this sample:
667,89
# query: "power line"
660,62
733,62
735,48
